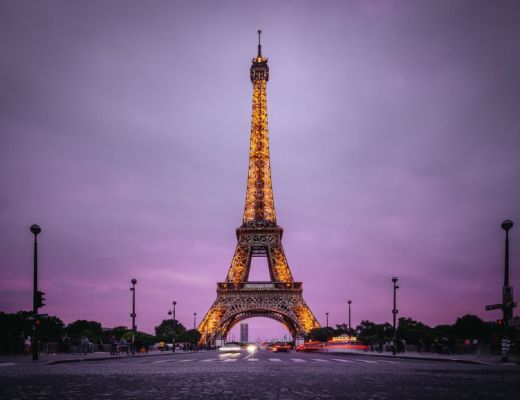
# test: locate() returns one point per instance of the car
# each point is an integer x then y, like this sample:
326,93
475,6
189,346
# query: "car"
281,347
310,346
230,347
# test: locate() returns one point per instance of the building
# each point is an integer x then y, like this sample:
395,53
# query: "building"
244,333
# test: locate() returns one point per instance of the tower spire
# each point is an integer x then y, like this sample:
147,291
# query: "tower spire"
259,44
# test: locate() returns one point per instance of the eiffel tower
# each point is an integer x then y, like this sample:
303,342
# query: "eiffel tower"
259,236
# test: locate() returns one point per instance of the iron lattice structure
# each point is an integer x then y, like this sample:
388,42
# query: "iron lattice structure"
259,236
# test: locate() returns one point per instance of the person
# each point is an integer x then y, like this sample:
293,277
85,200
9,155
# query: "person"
113,346
123,346
27,345
84,342
66,344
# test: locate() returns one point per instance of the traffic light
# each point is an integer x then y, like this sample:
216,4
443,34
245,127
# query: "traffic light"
40,299
500,322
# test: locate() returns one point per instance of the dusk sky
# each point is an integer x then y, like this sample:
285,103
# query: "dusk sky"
124,133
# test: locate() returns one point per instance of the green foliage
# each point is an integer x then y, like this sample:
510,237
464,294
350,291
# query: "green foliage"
469,327
140,337
164,331
90,329
192,336
412,331
320,334
50,329
372,333
117,332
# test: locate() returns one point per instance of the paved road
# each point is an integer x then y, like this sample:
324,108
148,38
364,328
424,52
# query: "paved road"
261,375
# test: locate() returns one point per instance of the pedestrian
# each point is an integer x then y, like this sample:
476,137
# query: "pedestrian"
27,345
123,346
113,346
84,342
66,344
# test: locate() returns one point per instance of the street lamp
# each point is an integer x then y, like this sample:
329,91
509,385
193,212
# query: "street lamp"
327,314
194,328
394,312
133,315
37,297
349,327
507,291
174,324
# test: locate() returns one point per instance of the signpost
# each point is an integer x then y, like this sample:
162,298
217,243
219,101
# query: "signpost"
508,303
494,307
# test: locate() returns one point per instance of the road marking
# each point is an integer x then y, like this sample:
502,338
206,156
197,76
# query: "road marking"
320,360
230,360
342,360
297,360
388,362
209,360
274,359
250,355
7,364
187,360
252,359
162,361
366,361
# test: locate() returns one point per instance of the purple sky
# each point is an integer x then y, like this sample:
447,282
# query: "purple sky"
124,133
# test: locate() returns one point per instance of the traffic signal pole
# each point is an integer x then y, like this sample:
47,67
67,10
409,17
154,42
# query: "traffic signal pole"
35,229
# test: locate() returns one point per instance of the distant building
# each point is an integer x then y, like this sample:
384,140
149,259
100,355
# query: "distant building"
244,333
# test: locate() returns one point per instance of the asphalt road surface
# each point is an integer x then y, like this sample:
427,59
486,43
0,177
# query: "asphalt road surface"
260,375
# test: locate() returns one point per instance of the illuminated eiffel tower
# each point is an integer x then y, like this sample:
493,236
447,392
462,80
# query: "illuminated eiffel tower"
259,236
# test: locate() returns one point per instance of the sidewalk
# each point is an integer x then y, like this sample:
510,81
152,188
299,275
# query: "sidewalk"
486,359
61,358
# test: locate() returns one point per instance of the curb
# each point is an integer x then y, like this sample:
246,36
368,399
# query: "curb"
105,358
453,360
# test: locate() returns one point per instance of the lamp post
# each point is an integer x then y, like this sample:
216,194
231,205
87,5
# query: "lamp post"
133,315
327,315
349,315
35,229
394,312
507,291
194,328
174,325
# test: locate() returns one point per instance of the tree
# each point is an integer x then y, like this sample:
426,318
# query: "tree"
164,331
412,331
320,334
469,327
117,332
193,336
371,333
50,328
142,338
90,329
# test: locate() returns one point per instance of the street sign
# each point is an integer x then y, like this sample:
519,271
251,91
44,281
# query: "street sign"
506,346
494,307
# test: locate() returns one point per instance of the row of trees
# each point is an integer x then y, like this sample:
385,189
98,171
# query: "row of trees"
467,329
17,327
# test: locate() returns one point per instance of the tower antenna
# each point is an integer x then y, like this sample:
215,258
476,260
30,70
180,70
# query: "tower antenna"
259,44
